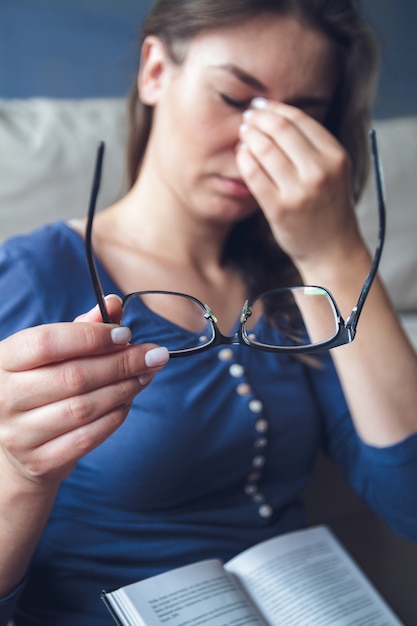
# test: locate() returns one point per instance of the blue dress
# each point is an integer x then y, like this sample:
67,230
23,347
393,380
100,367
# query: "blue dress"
210,460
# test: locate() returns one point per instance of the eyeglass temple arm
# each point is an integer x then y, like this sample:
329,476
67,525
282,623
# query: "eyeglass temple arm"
353,319
95,280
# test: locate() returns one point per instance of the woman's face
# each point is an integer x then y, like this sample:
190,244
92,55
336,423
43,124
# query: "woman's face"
198,105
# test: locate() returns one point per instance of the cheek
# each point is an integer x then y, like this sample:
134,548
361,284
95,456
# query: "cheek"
207,123
196,133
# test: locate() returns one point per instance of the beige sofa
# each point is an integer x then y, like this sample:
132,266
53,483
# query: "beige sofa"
47,151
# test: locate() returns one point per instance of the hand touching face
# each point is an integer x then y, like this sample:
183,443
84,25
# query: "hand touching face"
198,106
300,176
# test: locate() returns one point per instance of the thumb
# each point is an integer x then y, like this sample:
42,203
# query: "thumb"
114,309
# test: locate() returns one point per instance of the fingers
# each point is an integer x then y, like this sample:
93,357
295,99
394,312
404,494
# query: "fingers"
54,456
46,423
34,347
279,148
300,176
64,388
52,362
72,377
288,123
285,147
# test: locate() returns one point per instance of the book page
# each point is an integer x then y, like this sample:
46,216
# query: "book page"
201,594
306,577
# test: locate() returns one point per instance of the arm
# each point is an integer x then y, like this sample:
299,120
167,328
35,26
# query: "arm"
64,388
300,176
378,371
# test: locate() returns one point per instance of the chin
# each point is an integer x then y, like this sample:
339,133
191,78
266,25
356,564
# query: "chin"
229,210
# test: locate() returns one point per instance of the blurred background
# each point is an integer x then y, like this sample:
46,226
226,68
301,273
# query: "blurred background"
88,49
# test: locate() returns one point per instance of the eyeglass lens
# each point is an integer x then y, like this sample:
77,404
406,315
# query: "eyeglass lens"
175,321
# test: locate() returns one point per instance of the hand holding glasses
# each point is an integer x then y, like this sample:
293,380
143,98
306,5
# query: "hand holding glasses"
295,320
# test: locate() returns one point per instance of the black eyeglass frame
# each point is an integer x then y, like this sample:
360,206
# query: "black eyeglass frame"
346,330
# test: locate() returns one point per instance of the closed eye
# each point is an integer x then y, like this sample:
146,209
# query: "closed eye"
237,104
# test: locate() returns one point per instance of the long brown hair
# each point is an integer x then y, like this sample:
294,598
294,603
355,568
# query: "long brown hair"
250,247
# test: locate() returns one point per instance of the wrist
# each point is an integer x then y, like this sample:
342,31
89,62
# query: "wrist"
25,506
344,266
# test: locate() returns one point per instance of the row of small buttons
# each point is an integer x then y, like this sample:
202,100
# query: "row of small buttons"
261,427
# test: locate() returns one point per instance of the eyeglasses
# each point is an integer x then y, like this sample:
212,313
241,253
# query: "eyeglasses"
302,319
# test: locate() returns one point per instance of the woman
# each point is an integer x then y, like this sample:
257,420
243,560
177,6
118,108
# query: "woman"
247,147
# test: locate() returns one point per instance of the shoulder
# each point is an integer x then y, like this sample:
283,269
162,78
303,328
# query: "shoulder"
43,278
50,238
45,256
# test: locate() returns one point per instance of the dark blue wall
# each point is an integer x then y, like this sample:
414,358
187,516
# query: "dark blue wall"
88,48
68,48
395,22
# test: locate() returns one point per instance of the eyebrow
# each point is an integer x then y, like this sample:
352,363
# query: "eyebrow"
243,76
251,81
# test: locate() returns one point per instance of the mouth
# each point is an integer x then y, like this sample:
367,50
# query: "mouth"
235,187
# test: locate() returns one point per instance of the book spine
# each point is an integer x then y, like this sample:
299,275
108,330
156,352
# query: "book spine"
109,606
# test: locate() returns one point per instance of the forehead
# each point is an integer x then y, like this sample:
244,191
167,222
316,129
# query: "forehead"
281,51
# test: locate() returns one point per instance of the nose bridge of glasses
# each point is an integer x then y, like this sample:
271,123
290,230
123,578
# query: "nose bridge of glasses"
220,338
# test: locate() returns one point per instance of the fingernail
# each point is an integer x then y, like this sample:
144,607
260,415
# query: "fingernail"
145,379
248,114
156,356
243,128
112,296
259,103
121,335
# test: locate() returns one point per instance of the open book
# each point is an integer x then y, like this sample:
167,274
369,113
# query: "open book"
301,578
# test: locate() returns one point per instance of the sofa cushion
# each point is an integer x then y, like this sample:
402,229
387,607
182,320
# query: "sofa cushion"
47,158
